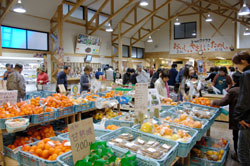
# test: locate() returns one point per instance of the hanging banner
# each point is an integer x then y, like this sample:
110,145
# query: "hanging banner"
189,46
223,63
87,44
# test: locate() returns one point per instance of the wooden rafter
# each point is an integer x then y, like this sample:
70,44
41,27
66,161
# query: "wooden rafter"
77,5
97,12
169,19
222,5
92,2
146,18
148,10
9,5
112,16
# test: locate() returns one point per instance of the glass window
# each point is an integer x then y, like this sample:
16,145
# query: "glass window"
91,13
134,52
37,40
115,49
125,51
65,9
185,30
13,37
24,39
78,13
140,53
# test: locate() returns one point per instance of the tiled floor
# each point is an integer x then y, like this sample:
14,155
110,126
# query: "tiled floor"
218,130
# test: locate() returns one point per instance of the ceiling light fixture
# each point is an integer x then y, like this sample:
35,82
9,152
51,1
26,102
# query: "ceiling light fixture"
109,28
177,22
194,34
209,19
18,8
150,40
244,10
247,32
143,3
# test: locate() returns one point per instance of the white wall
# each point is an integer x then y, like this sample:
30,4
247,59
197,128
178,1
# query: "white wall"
244,41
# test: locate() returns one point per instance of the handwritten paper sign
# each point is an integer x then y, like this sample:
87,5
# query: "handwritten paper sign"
141,98
8,96
154,99
188,46
81,135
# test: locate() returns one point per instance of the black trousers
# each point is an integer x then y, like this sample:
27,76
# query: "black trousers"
235,139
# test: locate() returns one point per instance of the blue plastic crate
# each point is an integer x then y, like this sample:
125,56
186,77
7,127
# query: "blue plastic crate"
67,159
201,131
166,107
44,117
45,94
216,111
183,147
65,111
80,107
10,153
210,141
90,105
27,159
30,95
120,123
125,122
167,159
195,161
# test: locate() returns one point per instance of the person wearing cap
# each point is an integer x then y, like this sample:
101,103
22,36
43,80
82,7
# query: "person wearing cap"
42,77
15,81
142,75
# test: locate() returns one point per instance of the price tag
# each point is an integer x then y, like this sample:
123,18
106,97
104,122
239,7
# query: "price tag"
8,96
81,136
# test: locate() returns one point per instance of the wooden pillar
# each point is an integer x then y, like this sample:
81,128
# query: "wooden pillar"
120,48
86,18
200,22
1,50
60,25
235,32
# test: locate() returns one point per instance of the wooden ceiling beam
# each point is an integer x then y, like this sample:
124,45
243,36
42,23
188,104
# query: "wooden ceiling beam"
112,16
146,18
77,5
169,19
222,5
98,11
91,3
6,10
148,10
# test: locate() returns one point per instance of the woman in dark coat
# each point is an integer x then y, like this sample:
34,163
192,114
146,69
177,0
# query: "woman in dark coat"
231,99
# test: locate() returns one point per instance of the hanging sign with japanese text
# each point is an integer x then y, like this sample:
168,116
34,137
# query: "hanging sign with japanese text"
8,96
189,46
81,135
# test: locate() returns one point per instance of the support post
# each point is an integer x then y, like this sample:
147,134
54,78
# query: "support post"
120,48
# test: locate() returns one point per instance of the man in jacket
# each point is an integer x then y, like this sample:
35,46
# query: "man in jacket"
173,74
142,75
85,79
62,78
15,81
242,109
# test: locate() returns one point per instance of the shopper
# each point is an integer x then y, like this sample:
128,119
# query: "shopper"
117,75
161,84
42,77
180,74
9,69
126,77
155,76
151,71
133,76
142,75
231,71
173,74
231,100
15,81
211,75
98,74
62,78
222,80
85,79
190,85
242,109
109,74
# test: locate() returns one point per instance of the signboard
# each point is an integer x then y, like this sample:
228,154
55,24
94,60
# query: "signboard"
223,63
75,89
8,96
87,44
188,46
141,98
81,135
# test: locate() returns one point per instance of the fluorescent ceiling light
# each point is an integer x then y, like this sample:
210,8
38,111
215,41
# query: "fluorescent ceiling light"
244,10
109,28
209,19
193,34
220,58
144,3
18,8
177,22
247,32
150,40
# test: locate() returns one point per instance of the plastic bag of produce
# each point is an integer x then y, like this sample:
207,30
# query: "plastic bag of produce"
15,125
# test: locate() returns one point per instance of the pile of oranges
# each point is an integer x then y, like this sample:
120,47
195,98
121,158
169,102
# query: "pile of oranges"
21,141
112,127
9,111
65,130
110,94
48,149
35,102
58,100
42,132
202,101
185,120
91,97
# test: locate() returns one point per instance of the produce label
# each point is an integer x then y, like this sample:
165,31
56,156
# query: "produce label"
141,98
81,135
8,96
